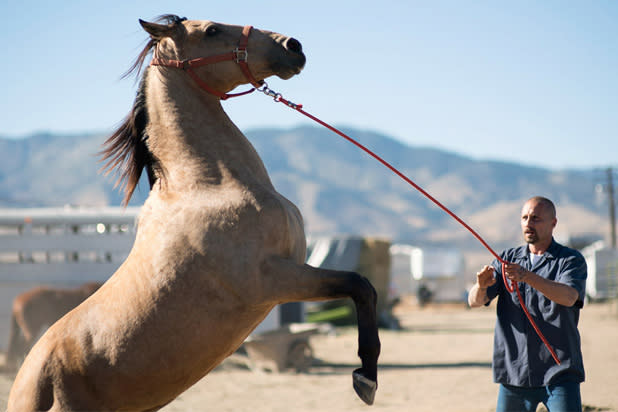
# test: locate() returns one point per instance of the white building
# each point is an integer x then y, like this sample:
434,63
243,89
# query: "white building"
602,261
441,271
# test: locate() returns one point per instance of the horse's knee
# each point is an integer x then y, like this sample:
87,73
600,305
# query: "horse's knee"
363,291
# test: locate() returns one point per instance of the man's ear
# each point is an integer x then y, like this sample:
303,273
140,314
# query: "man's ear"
157,31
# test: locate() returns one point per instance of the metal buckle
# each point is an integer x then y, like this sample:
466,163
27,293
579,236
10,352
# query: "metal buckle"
241,55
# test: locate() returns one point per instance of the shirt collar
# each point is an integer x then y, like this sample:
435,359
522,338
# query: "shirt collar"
551,252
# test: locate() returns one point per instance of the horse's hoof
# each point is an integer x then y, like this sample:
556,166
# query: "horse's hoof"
365,388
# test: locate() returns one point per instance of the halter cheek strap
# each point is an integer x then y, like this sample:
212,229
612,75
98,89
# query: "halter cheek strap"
242,54
238,55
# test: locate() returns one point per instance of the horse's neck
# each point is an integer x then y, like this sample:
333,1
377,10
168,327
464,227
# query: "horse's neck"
195,141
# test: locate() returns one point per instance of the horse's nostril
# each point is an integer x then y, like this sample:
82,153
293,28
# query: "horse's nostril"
293,45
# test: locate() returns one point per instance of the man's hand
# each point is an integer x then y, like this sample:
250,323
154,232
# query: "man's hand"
478,294
515,273
485,278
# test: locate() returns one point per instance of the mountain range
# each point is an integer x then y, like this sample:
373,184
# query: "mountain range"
338,188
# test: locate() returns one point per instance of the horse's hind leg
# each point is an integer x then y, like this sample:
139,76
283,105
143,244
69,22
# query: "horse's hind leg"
289,282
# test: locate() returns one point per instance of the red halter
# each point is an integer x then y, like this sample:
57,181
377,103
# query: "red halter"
239,55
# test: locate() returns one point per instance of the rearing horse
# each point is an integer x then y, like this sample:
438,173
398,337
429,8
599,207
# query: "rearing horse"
217,247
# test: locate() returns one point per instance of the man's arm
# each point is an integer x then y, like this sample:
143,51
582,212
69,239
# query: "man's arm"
558,292
478,294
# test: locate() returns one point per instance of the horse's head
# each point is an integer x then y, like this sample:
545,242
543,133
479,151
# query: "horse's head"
218,57
210,45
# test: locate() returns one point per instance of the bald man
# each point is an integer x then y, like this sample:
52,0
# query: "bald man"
552,280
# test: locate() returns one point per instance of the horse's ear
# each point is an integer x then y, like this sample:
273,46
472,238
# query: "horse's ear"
157,31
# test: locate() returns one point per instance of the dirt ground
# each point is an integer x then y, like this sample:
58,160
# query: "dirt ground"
441,361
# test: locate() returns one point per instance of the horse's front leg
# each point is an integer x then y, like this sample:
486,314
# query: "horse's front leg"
290,282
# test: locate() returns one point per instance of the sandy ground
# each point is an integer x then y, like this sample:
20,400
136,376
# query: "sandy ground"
440,362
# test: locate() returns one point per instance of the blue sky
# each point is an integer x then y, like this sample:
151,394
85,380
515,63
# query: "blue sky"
533,82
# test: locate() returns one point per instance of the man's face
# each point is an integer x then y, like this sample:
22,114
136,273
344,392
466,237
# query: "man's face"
537,223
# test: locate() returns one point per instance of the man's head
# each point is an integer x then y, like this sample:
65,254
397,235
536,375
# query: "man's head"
538,220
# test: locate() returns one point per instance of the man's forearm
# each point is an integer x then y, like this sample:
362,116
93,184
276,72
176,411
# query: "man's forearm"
477,296
558,292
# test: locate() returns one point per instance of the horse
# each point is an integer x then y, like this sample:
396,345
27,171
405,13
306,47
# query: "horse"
39,308
216,247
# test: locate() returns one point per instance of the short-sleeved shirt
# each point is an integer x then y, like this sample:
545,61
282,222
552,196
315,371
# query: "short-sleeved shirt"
520,356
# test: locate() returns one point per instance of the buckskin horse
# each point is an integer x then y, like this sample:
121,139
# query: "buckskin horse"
38,308
217,247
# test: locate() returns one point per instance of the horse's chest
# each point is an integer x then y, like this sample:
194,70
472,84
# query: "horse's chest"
238,227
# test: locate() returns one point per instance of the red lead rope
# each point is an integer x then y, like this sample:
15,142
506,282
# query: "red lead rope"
510,287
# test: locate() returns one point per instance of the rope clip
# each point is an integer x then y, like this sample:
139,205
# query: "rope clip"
278,97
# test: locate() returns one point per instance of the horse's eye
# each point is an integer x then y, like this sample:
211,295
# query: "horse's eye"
211,31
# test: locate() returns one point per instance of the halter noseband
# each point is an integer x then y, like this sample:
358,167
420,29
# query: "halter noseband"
239,55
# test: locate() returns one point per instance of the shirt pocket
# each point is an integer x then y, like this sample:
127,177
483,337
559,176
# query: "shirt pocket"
548,308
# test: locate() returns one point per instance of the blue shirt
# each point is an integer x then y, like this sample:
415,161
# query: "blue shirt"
520,356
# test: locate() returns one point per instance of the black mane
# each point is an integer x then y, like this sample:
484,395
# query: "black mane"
126,152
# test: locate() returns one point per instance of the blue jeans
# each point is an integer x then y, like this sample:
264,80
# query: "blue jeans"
562,397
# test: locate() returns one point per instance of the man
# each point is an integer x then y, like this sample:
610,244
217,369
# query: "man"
551,279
